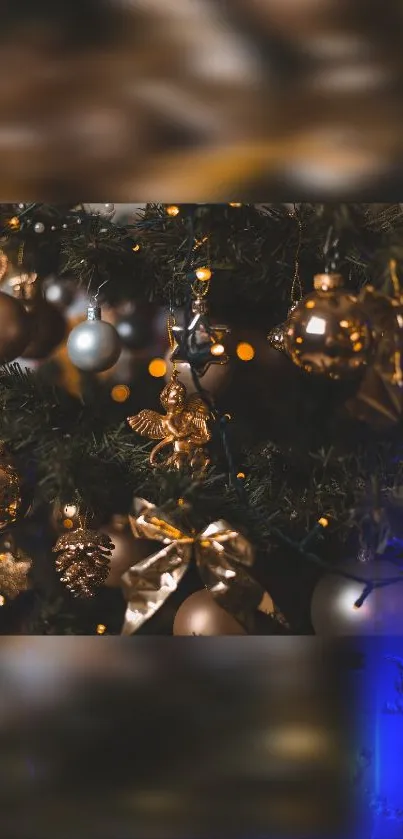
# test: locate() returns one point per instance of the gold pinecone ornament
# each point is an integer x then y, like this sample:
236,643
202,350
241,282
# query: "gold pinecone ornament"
10,491
14,569
84,560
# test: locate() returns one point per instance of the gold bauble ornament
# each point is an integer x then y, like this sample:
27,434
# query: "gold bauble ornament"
199,614
276,336
127,550
83,560
386,316
379,398
10,491
14,568
329,332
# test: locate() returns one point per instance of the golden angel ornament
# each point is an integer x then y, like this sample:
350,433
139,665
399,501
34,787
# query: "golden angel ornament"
184,427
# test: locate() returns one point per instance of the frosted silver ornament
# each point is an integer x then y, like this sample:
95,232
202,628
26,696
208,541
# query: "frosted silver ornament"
94,346
334,609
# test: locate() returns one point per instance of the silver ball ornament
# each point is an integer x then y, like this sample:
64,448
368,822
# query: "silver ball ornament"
333,609
39,227
94,346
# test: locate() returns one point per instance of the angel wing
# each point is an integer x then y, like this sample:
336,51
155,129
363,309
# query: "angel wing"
148,424
195,417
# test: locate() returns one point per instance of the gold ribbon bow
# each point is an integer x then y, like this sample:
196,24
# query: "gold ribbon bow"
222,557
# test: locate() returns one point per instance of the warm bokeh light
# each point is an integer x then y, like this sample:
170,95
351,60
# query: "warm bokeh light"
172,210
136,248
203,274
241,476
245,351
157,368
68,524
101,629
324,522
2,600
120,393
234,204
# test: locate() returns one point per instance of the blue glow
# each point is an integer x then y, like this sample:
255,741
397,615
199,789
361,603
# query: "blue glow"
380,733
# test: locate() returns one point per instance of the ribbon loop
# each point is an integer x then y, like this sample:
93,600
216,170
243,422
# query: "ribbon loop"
222,557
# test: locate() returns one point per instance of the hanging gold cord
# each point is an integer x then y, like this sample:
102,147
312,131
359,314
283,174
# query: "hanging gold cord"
296,288
172,343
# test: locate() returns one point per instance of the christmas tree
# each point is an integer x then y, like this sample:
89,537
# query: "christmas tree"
201,419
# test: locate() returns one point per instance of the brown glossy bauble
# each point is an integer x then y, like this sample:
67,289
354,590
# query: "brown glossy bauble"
15,328
127,550
48,328
10,491
329,332
199,614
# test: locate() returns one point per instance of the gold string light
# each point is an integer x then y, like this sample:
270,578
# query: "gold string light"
173,210
203,274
